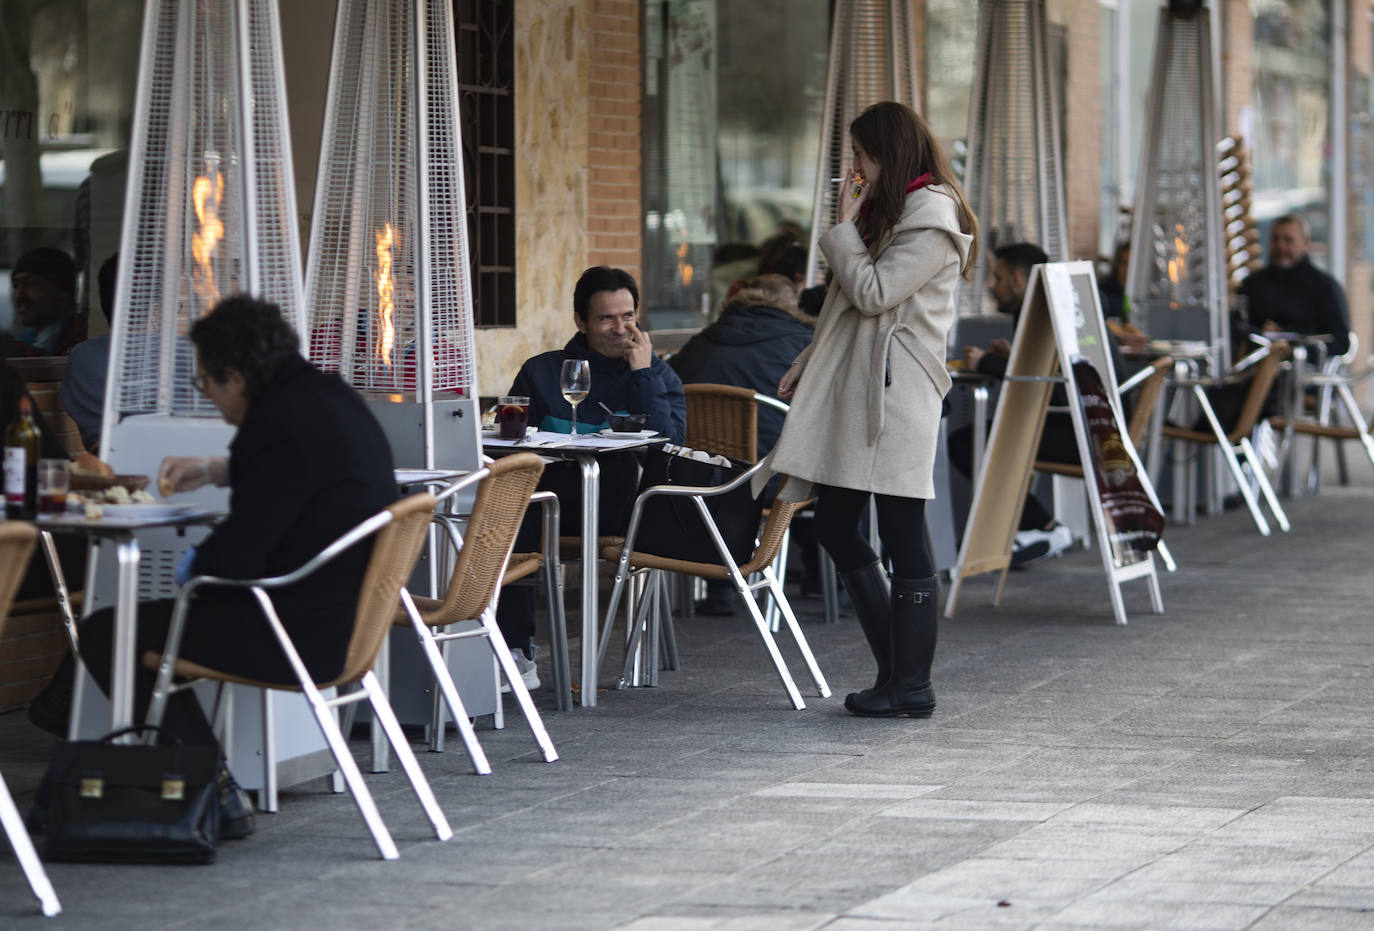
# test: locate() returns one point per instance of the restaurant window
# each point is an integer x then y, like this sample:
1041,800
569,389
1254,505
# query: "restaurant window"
951,53
731,140
486,79
1291,130
67,75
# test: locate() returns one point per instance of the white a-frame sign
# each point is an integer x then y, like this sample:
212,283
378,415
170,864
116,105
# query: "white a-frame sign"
1061,332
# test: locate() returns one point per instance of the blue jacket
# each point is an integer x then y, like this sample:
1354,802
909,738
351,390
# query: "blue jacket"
655,392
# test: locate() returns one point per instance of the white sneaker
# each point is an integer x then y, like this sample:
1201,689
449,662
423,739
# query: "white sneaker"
1035,545
529,671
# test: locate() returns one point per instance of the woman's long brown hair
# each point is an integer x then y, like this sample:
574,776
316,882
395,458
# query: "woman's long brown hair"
895,136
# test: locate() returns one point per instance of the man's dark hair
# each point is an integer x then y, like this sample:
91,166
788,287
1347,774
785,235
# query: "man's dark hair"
600,278
783,255
106,280
245,334
1021,255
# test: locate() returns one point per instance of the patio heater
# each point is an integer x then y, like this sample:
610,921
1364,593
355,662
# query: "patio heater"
1177,274
388,285
872,58
209,211
1014,179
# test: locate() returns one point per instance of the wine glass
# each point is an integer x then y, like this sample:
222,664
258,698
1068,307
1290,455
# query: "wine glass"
575,381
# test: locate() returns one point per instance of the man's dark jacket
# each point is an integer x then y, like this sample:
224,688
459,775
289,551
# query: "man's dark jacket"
655,392
1300,299
308,463
749,347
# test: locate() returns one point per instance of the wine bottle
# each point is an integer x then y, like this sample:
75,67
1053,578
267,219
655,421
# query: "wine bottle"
21,464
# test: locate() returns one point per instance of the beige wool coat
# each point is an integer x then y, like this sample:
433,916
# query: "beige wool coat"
845,426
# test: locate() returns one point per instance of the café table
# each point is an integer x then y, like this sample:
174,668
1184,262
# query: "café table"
584,449
120,525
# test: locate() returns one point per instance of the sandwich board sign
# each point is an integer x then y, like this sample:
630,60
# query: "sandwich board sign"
1061,329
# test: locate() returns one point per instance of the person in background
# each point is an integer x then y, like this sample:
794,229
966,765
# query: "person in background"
627,378
43,285
866,394
1291,295
1116,304
751,345
83,386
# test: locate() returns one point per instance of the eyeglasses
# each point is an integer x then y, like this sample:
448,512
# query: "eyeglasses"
198,382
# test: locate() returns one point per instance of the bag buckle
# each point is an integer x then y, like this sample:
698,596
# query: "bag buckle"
173,787
92,786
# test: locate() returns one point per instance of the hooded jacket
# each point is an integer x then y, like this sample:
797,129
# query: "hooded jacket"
850,424
751,345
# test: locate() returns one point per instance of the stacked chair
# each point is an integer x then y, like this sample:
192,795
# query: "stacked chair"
16,547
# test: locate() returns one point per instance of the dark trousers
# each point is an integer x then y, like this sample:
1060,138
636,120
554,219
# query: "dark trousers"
901,527
1058,443
222,632
618,486
71,555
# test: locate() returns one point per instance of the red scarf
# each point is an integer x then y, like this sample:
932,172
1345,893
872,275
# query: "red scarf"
925,179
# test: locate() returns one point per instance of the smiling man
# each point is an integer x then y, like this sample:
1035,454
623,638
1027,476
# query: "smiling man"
43,283
627,378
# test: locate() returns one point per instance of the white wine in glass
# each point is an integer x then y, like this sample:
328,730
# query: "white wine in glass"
575,381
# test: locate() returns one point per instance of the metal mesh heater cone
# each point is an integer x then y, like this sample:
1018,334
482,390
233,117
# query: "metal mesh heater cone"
872,58
388,282
210,207
1014,179
1176,279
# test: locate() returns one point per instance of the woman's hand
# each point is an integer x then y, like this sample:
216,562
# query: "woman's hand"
853,193
788,385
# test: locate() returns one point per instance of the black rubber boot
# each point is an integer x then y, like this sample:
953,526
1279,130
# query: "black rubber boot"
871,596
914,627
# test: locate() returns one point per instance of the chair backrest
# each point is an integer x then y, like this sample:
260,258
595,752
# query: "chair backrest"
723,419
1266,370
502,498
780,514
395,549
16,548
1146,399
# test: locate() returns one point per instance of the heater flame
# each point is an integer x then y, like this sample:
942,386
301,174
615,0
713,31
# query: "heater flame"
385,290
206,196
684,269
1178,266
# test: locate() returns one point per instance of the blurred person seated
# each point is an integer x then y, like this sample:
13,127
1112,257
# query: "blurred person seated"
751,345
1116,304
43,288
307,464
83,386
627,378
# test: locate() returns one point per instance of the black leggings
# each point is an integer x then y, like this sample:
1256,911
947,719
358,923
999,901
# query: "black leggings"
901,525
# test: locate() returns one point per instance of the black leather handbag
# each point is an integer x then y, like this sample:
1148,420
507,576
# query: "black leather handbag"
672,527
108,802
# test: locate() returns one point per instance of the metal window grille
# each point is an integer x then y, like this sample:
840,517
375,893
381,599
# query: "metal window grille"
388,283
210,207
1014,179
1176,278
486,77
872,58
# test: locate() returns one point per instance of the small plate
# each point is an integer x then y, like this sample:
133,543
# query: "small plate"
625,434
145,511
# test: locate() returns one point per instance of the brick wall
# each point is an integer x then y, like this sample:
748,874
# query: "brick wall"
614,216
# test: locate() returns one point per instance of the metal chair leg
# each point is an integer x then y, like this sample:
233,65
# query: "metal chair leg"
447,689
1266,489
517,685
770,644
790,617
353,777
28,857
381,709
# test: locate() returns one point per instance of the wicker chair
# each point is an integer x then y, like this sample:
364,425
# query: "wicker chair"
503,493
400,535
1261,368
1151,387
652,607
1335,386
16,547
723,419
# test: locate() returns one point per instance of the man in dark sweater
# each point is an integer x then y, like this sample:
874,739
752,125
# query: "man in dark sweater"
627,378
1291,295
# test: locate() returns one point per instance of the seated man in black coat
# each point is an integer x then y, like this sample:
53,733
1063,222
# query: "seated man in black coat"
308,463
626,377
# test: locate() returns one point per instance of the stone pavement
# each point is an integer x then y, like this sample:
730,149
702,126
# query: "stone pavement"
1210,768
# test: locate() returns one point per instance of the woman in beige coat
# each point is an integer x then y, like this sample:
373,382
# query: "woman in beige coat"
866,394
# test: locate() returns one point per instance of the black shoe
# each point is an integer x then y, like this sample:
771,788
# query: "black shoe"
235,808
51,708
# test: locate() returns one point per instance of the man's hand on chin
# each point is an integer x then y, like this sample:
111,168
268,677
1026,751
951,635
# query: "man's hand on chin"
639,351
